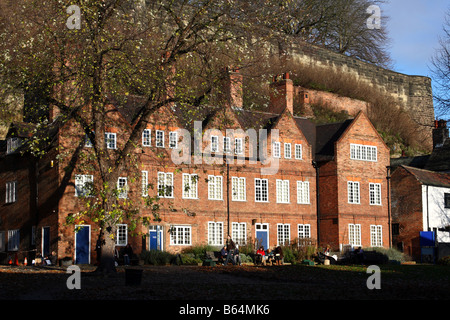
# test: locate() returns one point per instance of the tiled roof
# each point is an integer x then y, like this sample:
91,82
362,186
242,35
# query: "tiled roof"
428,177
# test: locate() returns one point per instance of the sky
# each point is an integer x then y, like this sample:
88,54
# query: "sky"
414,27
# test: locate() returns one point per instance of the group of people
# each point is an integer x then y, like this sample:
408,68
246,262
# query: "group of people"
276,255
230,253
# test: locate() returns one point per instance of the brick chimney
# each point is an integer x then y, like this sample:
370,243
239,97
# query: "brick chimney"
233,87
440,133
281,94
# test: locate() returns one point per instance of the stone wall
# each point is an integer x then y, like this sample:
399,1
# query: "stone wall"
411,91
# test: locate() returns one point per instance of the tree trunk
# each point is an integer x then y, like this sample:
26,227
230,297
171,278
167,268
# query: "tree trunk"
107,260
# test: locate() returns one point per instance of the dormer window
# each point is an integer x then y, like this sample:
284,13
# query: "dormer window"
13,144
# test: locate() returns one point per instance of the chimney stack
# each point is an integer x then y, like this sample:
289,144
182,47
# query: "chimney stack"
440,133
233,87
281,94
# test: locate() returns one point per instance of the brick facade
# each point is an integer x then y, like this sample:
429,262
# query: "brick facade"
282,217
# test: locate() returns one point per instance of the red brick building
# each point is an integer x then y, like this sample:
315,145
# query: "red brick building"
228,188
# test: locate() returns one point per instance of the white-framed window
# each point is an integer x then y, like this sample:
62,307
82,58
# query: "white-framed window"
165,184
375,193
298,152
283,234
226,145
276,150
376,235
282,187
261,190
303,192
144,183
354,234
180,235
238,190
304,231
363,152
160,138
238,146
214,144
83,184
239,232
13,240
190,183
11,192
353,192
111,141
12,144
147,137
215,233
215,187
122,187
287,150
173,139
122,235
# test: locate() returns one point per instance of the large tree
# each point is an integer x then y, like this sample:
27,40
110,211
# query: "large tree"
74,56
440,67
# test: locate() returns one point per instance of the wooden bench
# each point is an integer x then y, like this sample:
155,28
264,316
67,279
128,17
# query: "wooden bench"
211,258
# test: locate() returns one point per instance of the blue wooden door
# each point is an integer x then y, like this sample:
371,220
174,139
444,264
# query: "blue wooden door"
155,241
262,235
82,244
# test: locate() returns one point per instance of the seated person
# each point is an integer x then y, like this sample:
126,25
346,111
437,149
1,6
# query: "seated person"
278,255
261,254
223,255
237,257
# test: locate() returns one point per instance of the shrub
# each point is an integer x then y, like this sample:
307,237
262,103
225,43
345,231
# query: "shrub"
391,253
156,257
445,261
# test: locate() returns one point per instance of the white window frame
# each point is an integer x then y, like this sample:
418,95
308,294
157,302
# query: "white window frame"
122,187
215,187
354,234
353,192
159,138
214,143
375,194
173,140
122,235
376,235
298,152
283,234
238,189
190,186
12,144
276,149
239,232
111,140
11,192
287,150
81,190
304,231
282,188
13,240
261,187
144,183
226,144
215,233
303,192
165,184
238,146
147,138
180,235
363,152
